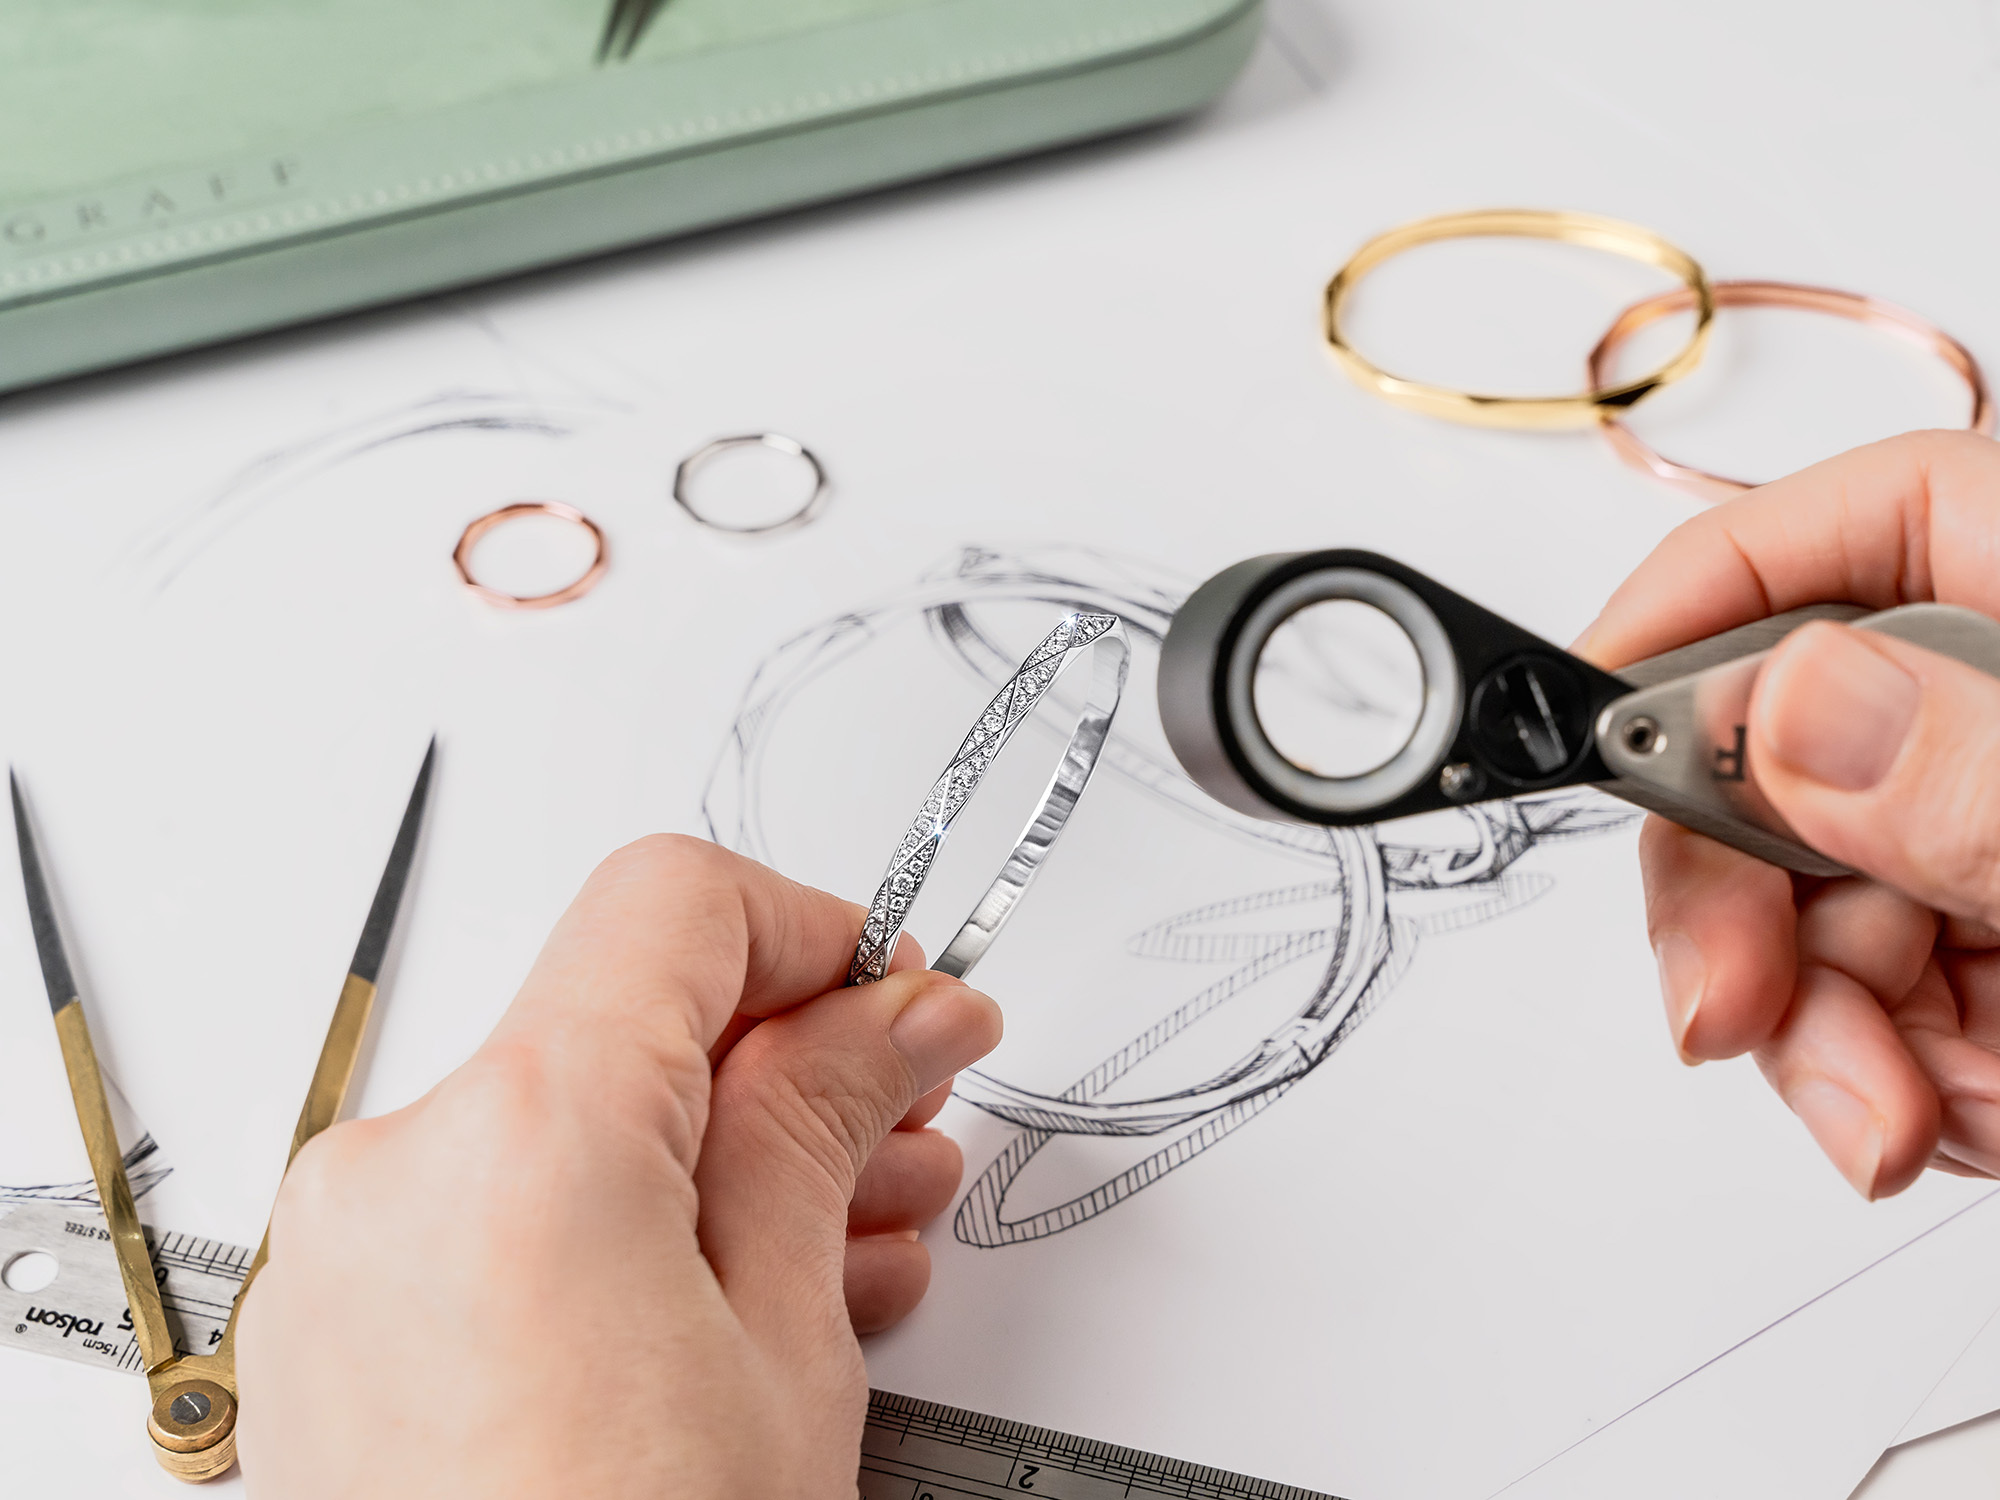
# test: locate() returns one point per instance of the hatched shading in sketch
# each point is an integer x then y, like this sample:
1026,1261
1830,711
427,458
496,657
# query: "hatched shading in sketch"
143,1169
1353,925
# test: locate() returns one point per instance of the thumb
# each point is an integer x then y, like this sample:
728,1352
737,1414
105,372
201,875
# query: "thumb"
800,1104
1883,755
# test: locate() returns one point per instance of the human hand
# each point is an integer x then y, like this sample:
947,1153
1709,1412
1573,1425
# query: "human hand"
626,1248
1871,1003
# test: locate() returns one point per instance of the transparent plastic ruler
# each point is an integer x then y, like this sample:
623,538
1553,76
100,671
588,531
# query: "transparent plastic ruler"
910,1449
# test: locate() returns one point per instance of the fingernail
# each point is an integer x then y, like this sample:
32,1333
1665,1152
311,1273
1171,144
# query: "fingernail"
1835,709
1581,645
1683,976
1848,1130
943,1030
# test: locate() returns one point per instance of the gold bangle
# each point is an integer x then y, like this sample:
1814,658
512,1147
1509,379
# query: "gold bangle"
1872,311
1588,230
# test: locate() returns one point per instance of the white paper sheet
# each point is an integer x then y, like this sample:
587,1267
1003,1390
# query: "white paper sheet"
1958,1465
1969,1389
1792,1414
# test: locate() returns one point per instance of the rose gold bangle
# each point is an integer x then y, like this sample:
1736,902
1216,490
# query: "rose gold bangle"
462,555
1870,310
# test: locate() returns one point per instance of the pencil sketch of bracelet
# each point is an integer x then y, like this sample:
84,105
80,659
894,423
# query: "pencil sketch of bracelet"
1345,920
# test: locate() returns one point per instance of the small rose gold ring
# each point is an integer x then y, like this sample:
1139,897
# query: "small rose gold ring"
1870,310
462,555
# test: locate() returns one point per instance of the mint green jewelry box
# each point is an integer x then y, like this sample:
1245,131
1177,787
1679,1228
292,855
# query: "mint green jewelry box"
176,172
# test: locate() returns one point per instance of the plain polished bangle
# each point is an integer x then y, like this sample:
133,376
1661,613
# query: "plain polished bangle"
1872,311
1588,230
1103,636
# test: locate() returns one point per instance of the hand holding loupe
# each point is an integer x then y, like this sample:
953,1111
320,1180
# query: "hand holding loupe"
1342,687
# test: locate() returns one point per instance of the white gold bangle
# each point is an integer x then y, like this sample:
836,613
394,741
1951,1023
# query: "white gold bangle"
1104,636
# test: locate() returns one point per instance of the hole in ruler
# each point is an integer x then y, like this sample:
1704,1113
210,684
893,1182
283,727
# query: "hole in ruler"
29,1271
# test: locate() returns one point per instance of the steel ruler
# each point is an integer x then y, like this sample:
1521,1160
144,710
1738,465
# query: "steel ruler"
81,1313
910,1449
919,1450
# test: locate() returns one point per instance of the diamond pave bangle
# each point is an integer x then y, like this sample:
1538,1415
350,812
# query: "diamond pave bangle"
1104,636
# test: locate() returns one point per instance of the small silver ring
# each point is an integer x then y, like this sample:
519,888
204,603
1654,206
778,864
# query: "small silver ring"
1104,636
776,441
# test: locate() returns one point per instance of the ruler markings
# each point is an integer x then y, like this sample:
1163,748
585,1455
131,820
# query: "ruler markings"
914,1442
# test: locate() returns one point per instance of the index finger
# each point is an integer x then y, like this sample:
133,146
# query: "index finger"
1911,518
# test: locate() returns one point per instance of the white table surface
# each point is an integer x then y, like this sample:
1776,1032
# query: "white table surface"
1958,1464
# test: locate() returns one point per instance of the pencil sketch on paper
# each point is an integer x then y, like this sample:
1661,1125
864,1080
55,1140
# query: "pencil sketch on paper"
143,1170
166,548
1357,922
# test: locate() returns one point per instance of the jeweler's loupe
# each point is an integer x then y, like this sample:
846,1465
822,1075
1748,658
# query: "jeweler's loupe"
1342,687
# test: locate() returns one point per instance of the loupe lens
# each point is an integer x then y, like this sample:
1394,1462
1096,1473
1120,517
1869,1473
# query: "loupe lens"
1338,688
